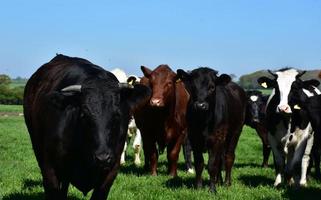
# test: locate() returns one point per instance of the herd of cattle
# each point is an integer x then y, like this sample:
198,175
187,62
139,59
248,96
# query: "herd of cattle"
80,116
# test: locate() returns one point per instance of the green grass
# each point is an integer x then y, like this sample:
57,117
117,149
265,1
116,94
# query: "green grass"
11,108
20,177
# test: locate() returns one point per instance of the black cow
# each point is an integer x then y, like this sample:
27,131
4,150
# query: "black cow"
215,117
255,118
77,117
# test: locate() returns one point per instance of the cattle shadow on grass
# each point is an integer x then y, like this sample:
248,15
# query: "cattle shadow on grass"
131,168
178,182
30,183
255,180
252,165
33,196
310,193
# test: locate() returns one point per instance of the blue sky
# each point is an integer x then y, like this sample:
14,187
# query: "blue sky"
230,36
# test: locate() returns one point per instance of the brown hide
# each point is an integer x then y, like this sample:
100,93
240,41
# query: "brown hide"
163,122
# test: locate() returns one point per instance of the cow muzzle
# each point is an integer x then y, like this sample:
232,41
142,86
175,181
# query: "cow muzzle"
157,102
201,105
284,109
104,160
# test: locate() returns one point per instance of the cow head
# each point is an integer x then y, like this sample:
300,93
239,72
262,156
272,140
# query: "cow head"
285,84
255,105
102,111
162,81
132,80
201,84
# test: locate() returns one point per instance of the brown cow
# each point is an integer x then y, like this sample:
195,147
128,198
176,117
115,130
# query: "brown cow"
162,121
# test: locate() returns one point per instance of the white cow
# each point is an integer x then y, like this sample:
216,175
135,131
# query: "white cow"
132,129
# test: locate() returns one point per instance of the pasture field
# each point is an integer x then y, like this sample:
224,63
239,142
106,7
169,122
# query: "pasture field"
20,176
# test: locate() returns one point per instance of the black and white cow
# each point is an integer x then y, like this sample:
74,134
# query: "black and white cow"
306,104
255,118
132,131
281,129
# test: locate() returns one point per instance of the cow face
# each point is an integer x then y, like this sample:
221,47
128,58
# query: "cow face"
301,91
201,84
162,81
282,87
255,106
299,101
103,114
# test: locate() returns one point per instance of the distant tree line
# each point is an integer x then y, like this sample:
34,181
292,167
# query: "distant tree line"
11,91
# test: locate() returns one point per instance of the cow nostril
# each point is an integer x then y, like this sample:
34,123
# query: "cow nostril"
284,108
155,102
290,138
104,158
202,106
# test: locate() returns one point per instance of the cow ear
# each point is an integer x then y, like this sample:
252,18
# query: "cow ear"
135,97
265,82
311,82
147,72
182,75
223,79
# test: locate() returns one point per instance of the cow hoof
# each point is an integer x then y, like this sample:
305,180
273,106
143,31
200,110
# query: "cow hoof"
173,174
278,181
213,189
199,185
277,185
303,185
137,163
191,171
291,182
122,162
264,165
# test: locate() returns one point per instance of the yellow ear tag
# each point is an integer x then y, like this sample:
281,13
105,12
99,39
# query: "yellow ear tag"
297,107
264,85
131,82
178,80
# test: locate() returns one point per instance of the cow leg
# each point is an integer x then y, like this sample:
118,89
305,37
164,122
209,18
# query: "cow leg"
305,160
266,155
151,157
150,152
262,132
173,150
54,189
199,166
316,155
154,160
187,152
230,155
219,175
122,158
137,147
214,165
279,160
